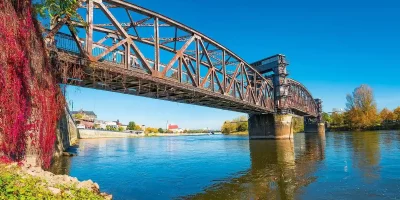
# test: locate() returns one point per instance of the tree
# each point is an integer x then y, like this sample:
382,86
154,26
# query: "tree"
326,117
131,126
137,128
160,130
111,128
387,115
396,113
77,116
361,108
151,130
60,12
120,129
242,126
228,127
337,119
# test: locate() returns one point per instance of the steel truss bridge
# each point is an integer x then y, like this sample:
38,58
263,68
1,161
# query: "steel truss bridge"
125,48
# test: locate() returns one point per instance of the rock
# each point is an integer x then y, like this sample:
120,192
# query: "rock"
96,185
106,196
54,190
68,154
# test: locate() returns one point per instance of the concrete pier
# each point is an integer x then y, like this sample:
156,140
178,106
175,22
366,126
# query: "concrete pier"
312,125
270,126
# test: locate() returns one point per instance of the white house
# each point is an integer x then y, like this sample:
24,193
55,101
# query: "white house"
112,124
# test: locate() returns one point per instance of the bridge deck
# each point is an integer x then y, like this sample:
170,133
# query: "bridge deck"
137,82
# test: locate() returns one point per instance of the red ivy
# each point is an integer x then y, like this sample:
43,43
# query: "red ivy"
30,99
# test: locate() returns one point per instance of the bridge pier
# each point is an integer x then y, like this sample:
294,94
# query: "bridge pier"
270,126
313,125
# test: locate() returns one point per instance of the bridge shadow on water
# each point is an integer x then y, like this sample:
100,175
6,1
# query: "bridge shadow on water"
279,169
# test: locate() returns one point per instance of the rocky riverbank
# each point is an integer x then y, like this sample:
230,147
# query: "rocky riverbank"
26,182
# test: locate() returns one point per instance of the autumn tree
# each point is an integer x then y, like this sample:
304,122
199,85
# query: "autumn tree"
228,127
337,119
396,114
361,108
386,115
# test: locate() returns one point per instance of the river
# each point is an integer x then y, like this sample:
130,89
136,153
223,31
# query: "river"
343,165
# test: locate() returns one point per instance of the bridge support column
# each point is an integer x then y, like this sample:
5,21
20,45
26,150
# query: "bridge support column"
311,125
315,124
270,126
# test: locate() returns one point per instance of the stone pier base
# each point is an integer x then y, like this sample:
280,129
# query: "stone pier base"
270,126
311,125
321,128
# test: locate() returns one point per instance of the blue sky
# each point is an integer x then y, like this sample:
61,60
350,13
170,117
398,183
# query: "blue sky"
332,48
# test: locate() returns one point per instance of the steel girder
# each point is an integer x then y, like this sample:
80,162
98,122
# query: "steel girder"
131,38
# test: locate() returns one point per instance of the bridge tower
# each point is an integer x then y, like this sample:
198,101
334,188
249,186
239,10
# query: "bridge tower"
279,124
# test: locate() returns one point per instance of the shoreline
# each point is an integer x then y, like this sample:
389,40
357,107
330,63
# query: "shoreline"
96,134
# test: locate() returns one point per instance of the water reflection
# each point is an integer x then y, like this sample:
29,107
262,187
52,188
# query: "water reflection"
60,165
344,165
278,170
366,150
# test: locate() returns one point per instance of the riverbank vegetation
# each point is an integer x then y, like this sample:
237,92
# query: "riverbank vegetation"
240,126
25,183
362,113
236,126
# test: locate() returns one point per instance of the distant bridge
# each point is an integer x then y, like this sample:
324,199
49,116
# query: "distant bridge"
125,48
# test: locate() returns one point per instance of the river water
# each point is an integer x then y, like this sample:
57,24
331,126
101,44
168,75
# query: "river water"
345,165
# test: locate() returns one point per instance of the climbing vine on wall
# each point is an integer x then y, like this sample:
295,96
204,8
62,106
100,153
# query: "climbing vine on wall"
30,99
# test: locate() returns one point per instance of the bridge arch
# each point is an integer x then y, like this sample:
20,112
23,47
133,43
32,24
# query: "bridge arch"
300,101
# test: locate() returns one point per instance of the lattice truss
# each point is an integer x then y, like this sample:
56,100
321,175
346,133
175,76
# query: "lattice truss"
134,38
300,99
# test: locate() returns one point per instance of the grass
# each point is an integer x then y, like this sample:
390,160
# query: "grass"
16,185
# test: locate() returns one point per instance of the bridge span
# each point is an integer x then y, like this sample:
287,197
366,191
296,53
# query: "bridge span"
125,48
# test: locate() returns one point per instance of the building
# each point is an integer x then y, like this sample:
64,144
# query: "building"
100,124
112,124
84,115
174,128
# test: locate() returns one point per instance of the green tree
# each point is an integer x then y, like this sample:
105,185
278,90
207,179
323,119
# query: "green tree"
160,130
326,117
60,12
131,126
361,108
111,128
120,129
337,119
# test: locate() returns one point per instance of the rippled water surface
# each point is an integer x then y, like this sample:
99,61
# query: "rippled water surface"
358,165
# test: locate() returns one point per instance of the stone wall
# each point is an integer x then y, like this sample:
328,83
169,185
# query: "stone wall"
67,133
90,133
